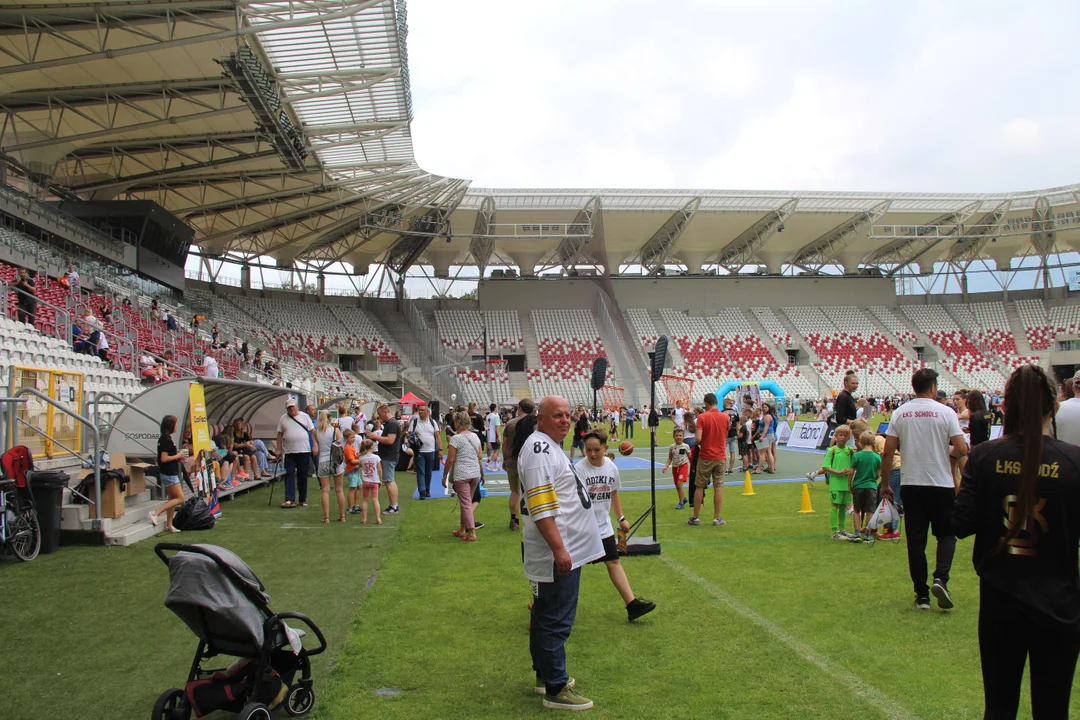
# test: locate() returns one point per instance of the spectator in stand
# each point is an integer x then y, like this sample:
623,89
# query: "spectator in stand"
845,407
73,281
210,364
244,449
80,335
149,369
126,302
296,440
26,301
106,314
100,342
1068,415
214,333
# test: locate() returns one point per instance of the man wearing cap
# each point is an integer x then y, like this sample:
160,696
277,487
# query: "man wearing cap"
1068,415
296,439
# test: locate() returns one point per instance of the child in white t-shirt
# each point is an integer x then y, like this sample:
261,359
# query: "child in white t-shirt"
602,482
678,460
369,474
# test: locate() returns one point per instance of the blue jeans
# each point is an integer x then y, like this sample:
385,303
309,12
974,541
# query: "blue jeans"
894,483
261,455
425,464
553,612
296,473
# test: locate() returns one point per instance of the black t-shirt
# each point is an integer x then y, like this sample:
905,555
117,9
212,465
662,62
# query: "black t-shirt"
844,407
240,438
581,426
979,427
733,422
166,445
392,450
1039,567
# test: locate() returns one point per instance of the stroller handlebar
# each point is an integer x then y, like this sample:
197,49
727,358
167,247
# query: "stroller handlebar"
281,617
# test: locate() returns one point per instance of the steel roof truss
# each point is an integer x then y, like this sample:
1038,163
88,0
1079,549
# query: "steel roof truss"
655,252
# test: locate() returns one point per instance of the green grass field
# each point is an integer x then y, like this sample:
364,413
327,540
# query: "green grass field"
765,617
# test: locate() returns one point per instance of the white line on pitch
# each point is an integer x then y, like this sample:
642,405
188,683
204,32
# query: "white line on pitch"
858,687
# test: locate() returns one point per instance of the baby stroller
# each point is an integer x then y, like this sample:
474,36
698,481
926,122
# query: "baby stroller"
225,605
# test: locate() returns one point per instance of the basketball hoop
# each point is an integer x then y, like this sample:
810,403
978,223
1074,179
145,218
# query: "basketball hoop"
611,396
678,388
497,369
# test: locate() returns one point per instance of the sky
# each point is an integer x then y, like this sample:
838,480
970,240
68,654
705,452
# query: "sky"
919,96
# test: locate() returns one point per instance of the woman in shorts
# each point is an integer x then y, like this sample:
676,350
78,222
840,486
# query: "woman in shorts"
326,435
169,468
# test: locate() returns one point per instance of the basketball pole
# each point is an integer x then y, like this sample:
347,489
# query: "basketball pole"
652,452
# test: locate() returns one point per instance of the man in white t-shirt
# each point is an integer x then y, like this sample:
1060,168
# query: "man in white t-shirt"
296,440
209,363
492,423
1068,415
928,433
560,535
430,453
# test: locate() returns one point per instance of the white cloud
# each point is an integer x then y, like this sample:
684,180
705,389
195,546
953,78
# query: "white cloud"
920,96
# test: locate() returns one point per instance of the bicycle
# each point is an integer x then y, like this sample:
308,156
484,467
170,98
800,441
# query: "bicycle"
20,533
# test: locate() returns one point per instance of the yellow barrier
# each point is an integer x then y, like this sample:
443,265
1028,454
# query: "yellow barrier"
64,387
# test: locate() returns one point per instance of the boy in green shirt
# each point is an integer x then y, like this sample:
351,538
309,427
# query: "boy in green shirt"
837,471
866,466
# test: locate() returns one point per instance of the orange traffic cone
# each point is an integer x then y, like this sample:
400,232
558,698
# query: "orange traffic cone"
748,485
806,506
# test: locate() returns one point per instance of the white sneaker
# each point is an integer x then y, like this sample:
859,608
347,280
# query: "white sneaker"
173,530
153,518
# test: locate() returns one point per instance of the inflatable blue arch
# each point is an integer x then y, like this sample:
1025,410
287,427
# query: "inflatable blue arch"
766,385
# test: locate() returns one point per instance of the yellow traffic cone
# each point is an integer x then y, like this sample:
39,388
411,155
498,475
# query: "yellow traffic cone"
806,506
748,485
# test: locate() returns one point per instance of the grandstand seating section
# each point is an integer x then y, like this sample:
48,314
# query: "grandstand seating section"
460,330
1065,319
960,355
894,325
1037,325
568,342
773,326
845,338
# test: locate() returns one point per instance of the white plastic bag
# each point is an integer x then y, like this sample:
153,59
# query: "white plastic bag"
884,516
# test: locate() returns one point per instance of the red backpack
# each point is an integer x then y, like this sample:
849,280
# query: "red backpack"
15,463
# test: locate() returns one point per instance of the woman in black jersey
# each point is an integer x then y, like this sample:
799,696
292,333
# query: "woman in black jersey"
1020,498
978,418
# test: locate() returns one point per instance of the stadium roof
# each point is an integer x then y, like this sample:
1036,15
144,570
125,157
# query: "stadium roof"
282,128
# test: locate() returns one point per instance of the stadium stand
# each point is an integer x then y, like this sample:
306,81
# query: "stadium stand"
893,324
460,330
1065,319
959,354
568,342
773,326
1037,325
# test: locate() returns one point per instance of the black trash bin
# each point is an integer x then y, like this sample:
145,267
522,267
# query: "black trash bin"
48,491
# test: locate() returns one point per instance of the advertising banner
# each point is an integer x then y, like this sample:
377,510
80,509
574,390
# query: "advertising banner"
783,432
200,429
808,435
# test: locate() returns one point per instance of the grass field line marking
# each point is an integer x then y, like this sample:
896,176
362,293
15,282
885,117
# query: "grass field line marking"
353,526
858,687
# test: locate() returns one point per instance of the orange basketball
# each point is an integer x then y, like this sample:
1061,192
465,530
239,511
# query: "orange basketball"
626,447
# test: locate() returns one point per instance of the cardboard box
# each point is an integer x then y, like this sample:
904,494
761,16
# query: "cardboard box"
112,500
137,478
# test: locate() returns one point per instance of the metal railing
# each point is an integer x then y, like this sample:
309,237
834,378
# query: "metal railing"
93,237
14,439
61,325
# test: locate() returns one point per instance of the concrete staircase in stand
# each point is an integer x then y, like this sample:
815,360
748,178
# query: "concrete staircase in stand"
528,333
634,390
1016,326
777,352
662,328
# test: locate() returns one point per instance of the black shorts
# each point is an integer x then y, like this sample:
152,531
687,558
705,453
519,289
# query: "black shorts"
579,443
229,458
611,550
243,451
864,500
493,444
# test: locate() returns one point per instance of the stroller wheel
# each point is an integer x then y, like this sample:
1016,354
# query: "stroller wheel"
254,711
300,700
171,705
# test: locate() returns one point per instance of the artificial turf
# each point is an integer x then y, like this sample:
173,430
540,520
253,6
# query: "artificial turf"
765,617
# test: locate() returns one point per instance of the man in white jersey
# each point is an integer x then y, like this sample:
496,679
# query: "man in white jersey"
560,535
924,430
678,413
